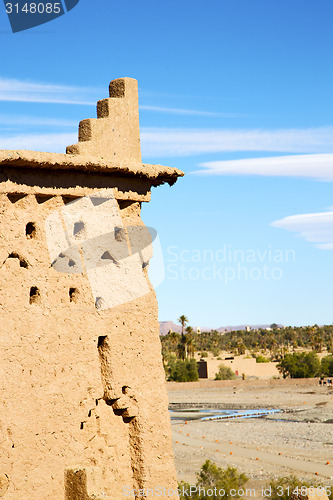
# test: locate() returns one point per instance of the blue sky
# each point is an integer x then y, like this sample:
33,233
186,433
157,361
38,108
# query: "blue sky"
238,94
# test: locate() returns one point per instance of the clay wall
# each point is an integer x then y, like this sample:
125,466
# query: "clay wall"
84,404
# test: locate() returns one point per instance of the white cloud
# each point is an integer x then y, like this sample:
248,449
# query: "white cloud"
187,112
16,120
185,142
317,166
315,228
25,91
157,142
55,143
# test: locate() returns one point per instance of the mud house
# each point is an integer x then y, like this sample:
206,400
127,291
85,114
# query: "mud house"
83,398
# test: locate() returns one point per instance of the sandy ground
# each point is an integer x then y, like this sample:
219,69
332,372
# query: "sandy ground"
298,441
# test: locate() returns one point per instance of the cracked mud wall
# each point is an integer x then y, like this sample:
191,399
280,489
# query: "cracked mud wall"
82,389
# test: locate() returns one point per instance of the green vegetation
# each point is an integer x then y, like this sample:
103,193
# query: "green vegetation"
261,359
283,345
277,341
182,344
283,487
306,365
210,477
225,373
180,370
216,483
300,365
327,366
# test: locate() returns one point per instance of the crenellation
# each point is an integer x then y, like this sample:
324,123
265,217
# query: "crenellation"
115,133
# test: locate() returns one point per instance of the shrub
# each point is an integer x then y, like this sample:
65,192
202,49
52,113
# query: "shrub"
300,365
215,351
183,371
225,373
210,477
261,359
283,487
327,366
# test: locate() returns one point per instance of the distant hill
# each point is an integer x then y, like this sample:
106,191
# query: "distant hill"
243,327
165,326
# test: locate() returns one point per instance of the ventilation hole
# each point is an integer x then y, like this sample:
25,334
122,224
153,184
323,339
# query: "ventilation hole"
42,198
71,263
98,302
13,446
101,341
119,234
68,199
127,420
82,425
96,401
124,204
34,295
73,294
98,201
30,230
78,229
14,197
23,262
89,413
107,256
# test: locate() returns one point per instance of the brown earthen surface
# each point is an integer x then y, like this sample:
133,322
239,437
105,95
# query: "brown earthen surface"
83,398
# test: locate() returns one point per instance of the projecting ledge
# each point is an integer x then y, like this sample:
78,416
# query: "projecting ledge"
156,174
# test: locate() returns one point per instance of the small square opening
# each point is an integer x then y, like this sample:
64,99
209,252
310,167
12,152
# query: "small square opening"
30,230
34,295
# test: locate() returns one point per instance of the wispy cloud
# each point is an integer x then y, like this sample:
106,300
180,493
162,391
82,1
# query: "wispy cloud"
55,143
188,112
186,142
25,91
157,142
318,166
17,120
315,228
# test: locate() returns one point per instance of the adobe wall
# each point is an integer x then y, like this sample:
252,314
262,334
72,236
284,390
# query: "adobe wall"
215,384
84,403
247,366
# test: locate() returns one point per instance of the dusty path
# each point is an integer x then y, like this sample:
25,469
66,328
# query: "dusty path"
298,442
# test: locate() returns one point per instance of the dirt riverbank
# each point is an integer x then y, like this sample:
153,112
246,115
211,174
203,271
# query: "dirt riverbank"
298,441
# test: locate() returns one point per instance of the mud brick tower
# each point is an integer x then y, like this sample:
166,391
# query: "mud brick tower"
83,399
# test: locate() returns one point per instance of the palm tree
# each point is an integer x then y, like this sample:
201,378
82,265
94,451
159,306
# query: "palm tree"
174,338
182,346
189,341
183,321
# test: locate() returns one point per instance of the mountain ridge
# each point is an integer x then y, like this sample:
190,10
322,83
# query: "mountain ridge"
165,326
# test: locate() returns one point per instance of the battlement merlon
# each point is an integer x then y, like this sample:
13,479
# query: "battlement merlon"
115,133
108,151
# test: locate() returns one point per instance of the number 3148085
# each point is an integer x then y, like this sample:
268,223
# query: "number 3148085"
34,8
